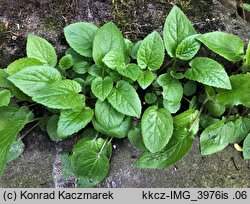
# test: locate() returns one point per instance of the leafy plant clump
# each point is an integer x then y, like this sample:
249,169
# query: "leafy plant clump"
158,92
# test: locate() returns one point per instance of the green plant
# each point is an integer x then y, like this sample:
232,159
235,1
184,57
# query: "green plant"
103,78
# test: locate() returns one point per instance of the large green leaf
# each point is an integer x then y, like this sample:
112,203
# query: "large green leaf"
45,86
209,72
228,46
14,120
172,88
246,147
107,38
80,37
40,49
60,95
145,78
177,27
125,99
90,163
157,128
188,48
73,120
240,93
32,79
184,130
107,116
22,63
101,88
216,137
119,131
151,52
5,96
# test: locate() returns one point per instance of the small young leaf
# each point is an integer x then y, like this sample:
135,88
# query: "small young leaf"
73,120
22,63
66,62
171,107
188,48
114,59
177,27
206,121
242,128
131,71
240,93
209,72
145,78
51,128
135,138
150,98
226,45
129,46
157,128
125,99
5,96
95,71
16,149
80,37
189,88
216,137
81,67
40,49
172,88
215,109
4,83
107,38
135,49
151,52
246,147
101,88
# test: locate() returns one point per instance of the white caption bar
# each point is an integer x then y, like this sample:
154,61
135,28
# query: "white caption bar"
124,195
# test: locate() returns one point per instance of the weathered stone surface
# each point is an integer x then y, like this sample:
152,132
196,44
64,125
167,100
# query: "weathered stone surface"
34,168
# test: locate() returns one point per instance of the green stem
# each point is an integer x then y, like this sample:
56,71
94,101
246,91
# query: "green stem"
198,116
104,144
166,65
186,99
36,119
110,140
174,65
29,131
103,72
